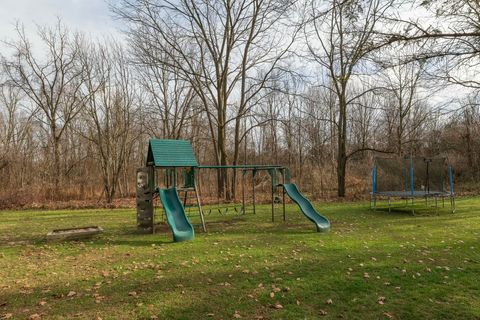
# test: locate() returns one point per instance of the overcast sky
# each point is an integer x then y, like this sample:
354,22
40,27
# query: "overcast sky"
90,16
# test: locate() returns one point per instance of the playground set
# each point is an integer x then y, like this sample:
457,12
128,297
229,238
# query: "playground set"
174,157
411,177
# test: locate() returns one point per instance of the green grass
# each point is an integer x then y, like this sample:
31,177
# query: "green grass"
425,267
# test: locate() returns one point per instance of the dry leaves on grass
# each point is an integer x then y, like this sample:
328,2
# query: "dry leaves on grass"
237,314
381,300
71,294
277,305
329,301
7,316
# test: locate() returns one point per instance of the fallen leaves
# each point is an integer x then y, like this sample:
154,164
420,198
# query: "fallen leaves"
7,316
71,294
276,289
237,314
98,298
329,301
277,305
381,300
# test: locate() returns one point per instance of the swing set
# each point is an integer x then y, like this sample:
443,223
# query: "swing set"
167,158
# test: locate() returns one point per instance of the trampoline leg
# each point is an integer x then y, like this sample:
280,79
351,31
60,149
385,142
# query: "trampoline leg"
389,205
413,206
436,206
452,203
443,201
374,203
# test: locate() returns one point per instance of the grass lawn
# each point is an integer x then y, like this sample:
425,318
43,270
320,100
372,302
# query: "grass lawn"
372,265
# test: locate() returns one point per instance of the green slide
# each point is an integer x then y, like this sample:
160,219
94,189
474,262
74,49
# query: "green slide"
181,228
308,210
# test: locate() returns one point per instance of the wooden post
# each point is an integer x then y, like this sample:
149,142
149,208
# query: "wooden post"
200,209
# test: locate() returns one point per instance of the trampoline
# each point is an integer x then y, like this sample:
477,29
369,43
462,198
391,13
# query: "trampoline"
412,177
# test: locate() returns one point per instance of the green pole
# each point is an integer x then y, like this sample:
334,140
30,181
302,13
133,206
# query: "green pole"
283,193
254,172
243,191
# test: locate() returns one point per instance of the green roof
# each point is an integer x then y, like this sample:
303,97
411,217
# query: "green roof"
171,153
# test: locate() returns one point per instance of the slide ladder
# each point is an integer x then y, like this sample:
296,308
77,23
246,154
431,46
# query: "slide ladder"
182,229
321,223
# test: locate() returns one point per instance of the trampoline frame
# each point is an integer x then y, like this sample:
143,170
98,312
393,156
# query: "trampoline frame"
411,194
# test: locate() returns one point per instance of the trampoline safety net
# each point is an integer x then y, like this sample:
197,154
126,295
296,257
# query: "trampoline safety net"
412,176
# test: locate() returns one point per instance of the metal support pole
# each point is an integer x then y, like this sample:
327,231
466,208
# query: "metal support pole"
253,190
436,205
273,174
389,205
283,194
273,203
413,206
452,203
243,191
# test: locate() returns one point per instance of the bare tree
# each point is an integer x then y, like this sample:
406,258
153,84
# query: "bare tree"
405,102
345,34
227,50
51,80
450,38
170,99
109,94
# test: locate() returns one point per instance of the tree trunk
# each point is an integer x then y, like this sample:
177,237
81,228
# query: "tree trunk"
236,154
56,172
342,146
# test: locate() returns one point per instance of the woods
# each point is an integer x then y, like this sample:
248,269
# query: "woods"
318,86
